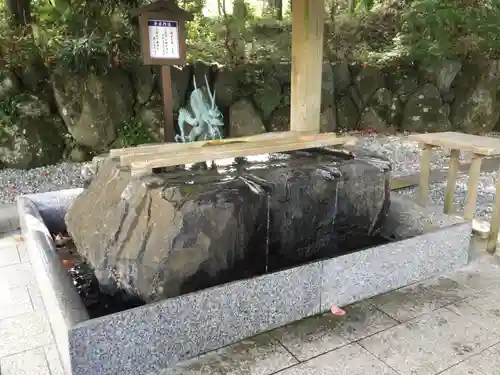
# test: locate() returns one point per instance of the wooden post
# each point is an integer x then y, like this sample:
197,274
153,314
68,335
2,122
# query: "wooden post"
451,181
168,108
163,42
491,245
425,170
474,173
307,64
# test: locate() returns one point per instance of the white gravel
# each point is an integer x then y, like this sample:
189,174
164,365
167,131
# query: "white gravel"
485,194
405,155
14,182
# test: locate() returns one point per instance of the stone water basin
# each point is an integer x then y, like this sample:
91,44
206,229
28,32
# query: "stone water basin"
419,243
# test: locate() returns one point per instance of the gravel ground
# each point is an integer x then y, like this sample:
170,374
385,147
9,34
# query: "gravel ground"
485,194
405,155
14,182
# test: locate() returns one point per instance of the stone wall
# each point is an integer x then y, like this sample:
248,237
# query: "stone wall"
76,115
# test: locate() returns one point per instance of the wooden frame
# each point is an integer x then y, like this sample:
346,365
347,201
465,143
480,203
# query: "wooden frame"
306,79
480,147
163,11
307,58
307,64
146,158
144,32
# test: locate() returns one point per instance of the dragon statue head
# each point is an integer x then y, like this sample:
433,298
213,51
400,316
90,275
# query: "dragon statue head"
213,117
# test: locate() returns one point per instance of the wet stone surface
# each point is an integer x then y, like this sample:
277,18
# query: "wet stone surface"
96,302
187,229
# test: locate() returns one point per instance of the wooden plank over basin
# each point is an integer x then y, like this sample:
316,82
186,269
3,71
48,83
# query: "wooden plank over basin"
230,148
122,153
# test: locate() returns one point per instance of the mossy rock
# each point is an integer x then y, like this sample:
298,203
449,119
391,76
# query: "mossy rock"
34,138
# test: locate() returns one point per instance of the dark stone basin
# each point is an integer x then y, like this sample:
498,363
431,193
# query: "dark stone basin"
183,230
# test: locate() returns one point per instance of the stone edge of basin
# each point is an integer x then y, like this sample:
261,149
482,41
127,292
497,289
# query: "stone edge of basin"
149,338
64,307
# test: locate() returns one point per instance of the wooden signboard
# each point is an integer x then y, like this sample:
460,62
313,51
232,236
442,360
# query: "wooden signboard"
163,39
162,26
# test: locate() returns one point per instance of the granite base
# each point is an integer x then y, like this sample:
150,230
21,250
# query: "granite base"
147,339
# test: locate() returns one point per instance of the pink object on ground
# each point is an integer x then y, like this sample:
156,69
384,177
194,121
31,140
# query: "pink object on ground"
337,311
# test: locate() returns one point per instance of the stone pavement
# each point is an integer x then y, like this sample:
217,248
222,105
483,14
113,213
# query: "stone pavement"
449,325
26,341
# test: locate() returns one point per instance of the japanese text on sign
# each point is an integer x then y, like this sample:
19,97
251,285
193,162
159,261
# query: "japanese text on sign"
164,39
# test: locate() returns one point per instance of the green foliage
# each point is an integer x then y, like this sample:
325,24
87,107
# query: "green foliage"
193,6
364,5
88,36
133,133
17,46
446,28
96,54
203,39
426,30
10,114
10,109
85,36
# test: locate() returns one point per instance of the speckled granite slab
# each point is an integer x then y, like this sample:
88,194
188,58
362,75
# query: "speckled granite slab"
38,215
152,337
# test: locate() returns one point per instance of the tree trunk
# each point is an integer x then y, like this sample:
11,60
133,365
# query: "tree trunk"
276,8
352,6
279,9
19,11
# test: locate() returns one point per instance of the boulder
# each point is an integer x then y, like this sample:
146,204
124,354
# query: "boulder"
267,96
363,198
90,169
244,120
163,235
92,106
181,77
353,92
380,113
342,76
476,105
287,95
79,154
382,98
283,73
226,88
258,83
151,117
161,239
368,81
371,119
34,76
144,82
328,120
30,136
403,83
200,70
279,120
424,111
327,86
347,113
9,84
442,73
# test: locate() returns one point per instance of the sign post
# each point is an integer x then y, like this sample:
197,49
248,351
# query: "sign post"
163,42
